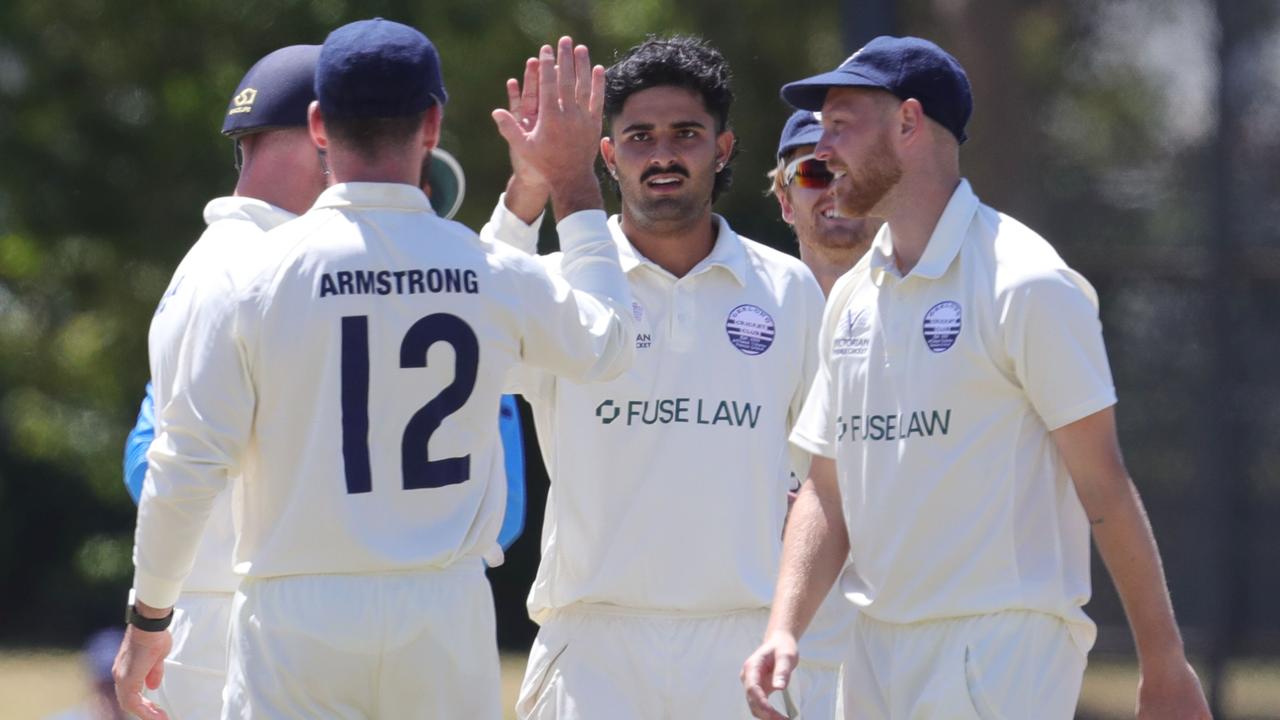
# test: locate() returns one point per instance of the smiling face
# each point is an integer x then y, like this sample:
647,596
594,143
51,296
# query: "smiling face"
857,146
812,212
664,151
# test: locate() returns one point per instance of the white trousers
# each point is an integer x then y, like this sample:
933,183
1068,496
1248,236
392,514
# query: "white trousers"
196,668
1013,664
408,646
588,664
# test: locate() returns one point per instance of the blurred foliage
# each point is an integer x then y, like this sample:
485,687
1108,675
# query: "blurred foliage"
1095,124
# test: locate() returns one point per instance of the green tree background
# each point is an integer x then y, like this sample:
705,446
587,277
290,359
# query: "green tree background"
1112,126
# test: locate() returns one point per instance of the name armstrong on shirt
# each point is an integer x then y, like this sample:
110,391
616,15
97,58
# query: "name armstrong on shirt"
399,282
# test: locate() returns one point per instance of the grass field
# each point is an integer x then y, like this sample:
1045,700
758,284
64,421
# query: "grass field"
34,685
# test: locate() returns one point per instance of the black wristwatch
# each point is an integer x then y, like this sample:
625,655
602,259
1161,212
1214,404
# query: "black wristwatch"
131,617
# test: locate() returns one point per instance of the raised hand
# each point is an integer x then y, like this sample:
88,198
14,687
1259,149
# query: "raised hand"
554,143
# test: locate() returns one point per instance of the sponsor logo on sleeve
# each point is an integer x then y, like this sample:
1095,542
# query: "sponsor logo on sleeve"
750,329
942,326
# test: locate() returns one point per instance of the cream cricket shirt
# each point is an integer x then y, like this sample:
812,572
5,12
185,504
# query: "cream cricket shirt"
353,378
237,230
669,483
936,394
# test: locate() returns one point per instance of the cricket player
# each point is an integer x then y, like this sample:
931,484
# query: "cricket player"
352,378
830,244
668,485
280,176
964,415
283,88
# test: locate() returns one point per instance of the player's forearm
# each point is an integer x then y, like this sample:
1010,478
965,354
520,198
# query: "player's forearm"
525,200
814,549
1128,547
578,193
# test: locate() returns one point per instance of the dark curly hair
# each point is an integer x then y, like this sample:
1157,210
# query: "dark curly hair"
680,61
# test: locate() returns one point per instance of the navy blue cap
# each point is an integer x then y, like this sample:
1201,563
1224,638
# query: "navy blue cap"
378,69
908,67
275,93
802,128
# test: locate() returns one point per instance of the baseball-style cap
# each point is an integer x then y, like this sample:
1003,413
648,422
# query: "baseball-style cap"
275,93
446,181
804,127
908,67
378,69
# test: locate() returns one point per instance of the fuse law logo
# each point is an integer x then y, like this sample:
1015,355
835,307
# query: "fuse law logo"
607,412
680,411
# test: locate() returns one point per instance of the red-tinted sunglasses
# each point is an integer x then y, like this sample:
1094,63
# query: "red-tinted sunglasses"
808,172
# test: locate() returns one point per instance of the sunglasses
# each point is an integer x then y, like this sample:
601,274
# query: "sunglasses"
808,172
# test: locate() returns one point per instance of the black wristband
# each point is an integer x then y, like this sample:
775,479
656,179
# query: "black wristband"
131,617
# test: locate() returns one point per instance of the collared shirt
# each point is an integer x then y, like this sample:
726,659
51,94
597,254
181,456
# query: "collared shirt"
353,377
668,484
936,395
237,230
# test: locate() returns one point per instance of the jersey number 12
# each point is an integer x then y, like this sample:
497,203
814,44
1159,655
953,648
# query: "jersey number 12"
419,470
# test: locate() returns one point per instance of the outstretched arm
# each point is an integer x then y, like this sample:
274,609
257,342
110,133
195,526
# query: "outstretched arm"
1167,686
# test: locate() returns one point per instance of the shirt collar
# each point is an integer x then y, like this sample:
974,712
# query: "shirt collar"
390,196
263,214
944,244
728,251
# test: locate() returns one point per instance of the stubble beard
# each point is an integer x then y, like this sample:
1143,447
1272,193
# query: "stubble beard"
865,186
667,211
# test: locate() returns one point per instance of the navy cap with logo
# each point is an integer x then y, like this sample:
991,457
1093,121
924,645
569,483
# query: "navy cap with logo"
908,67
275,93
804,127
378,69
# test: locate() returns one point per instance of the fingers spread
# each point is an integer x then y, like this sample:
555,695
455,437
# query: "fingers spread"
508,125
582,79
597,93
564,69
529,97
547,100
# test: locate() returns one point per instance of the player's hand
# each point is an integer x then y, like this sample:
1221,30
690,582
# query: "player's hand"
1171,693
556,142
522,111
768,670
141,659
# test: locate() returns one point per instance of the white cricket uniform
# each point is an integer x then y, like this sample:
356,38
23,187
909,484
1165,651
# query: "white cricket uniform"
936,395
661,540
195,670
353,378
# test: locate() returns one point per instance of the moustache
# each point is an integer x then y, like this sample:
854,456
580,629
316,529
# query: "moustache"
673,170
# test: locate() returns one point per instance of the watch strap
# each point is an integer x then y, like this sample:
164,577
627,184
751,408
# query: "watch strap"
132,617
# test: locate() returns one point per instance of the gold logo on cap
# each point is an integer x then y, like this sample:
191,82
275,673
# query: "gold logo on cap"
243,102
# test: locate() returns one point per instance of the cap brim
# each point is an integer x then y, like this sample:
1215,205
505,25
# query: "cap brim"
811,92
448,183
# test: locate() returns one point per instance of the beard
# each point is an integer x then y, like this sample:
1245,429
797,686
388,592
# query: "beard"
862,189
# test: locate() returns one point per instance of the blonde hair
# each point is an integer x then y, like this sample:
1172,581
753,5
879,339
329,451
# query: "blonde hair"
776,180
